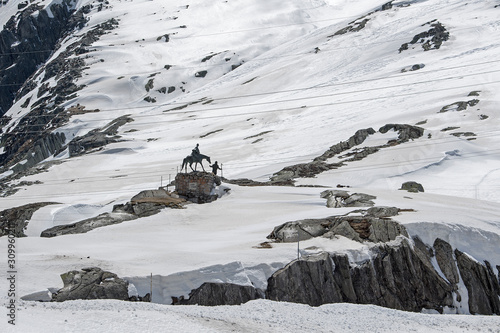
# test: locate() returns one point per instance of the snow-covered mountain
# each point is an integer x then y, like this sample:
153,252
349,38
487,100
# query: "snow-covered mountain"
117,93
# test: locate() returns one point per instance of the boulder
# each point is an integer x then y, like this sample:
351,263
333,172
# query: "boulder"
213,294
339,198
91,283
412,186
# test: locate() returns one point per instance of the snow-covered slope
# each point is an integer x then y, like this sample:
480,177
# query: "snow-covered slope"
262,86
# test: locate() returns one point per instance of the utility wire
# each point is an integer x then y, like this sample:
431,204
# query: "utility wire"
279,101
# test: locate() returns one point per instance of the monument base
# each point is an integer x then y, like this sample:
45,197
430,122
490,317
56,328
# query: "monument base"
197,186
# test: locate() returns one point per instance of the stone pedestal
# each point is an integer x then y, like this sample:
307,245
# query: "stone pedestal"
198,187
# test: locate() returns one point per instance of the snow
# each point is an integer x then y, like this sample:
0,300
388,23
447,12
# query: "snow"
297,102
260,315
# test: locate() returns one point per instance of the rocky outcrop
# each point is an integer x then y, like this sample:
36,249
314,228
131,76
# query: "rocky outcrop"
48,111
13,221
86,225
482,285
395,277
339,198
26,42
213,294
431,39
412,186
320,164
91,283
359,228
146,203
97,138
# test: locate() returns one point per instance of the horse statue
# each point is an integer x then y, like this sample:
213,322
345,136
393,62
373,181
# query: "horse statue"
194,158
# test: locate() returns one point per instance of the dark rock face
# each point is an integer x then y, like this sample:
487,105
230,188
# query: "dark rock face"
29,34
91,283
482,285
396,277
46,112
446,261
213,294
13,221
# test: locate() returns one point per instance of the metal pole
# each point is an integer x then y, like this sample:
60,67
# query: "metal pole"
161,181
298,242
221,171
151,289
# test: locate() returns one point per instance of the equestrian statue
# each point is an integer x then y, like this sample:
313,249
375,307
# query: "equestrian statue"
195,157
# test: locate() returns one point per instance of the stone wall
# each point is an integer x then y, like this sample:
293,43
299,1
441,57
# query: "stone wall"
197,186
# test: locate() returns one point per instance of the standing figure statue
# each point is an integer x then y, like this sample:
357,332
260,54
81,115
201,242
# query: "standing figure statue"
215,167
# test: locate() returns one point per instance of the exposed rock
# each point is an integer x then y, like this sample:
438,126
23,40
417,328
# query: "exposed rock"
201,74
459,106
26,42
412,186
144,204
97,138
430,39
213,294
382,211
13,221
446,261
395,277
405,132
358,228
319,164
198,187
338,198
91,283
86,225
482,285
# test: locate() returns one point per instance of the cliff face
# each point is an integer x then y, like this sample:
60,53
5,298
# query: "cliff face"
400,277
26,42
396,277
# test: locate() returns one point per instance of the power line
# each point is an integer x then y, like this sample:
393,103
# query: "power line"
350,169
409,146
279,101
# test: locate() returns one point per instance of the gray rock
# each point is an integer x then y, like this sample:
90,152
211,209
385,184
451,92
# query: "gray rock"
359,200
385,230
412,186
14,221
482,285
339,198
86,225
358,228
91,283
343,229
382,211
395,277
213,294
446,261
